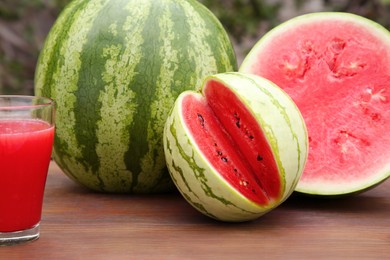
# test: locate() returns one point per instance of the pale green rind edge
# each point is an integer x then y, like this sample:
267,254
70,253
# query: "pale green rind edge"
280,120
197,181
248,61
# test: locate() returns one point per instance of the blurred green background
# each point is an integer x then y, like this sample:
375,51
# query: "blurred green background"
24,25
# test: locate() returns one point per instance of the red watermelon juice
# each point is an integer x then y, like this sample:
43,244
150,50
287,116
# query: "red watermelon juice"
25,150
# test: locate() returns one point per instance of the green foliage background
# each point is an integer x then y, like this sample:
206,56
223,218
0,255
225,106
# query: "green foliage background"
24,25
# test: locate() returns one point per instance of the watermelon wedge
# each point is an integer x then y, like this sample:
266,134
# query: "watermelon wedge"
237,149
336,67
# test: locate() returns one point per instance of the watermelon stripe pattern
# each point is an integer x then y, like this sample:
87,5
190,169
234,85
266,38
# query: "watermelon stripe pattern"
201,185
115,68
197,165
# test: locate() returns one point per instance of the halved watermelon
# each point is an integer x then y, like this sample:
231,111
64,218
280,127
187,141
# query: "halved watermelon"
237,149
336,67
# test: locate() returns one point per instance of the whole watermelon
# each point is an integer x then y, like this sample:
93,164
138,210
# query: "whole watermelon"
115,68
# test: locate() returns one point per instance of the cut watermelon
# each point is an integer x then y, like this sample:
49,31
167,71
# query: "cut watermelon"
237,149
335,66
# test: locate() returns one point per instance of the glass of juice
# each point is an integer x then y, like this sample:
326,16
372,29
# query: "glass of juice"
26,140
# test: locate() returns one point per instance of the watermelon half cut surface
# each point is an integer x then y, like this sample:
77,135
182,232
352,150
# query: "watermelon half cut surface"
233,142
236,149
336,67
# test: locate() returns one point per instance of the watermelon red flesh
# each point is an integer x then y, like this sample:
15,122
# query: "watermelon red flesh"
232,141
338,73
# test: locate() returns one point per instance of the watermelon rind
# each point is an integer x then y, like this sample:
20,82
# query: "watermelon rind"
202,185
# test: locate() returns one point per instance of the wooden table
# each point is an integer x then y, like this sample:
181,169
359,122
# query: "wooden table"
80,224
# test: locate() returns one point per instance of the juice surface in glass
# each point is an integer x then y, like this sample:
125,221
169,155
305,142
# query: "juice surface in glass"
25,149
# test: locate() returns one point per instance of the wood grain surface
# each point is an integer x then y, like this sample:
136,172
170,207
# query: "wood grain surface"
80,224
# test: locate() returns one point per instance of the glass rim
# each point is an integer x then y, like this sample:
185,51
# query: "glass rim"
46,102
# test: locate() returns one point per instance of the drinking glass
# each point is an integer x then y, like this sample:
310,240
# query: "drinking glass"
26,140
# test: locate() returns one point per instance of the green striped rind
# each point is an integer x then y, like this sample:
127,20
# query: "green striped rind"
202,185
197,181
115,68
